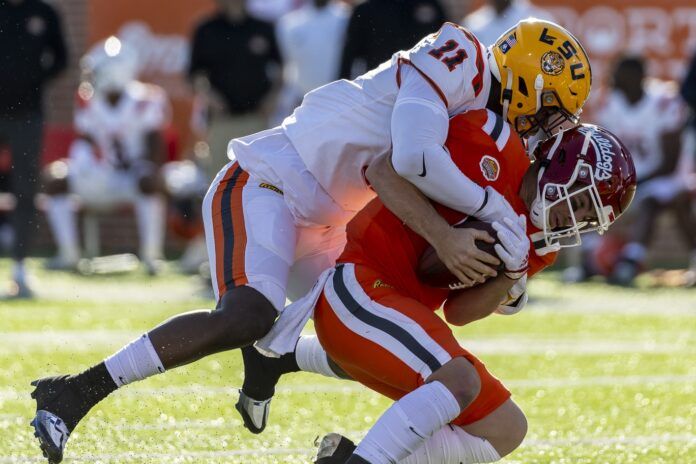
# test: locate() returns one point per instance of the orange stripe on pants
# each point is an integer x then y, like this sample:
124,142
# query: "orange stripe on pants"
229,230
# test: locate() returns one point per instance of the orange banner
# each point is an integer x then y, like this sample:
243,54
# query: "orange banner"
662,30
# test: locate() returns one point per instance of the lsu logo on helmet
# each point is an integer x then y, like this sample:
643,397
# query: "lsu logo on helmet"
545,75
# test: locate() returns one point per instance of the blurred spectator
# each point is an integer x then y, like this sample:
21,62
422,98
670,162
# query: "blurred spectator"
116,157
32,51
311,41
658,146
273,10
688,90
498,16
379,28
232,61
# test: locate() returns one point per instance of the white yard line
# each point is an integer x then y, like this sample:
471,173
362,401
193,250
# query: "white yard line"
87,340
347,388
181,456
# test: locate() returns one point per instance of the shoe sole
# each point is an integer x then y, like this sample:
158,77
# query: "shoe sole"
248,423
49,450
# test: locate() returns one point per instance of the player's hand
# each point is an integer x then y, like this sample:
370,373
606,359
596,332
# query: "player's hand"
458,251
513,248
496,207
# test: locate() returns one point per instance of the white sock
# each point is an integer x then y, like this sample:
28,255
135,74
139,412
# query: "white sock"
149,212
135,361
311,357
452,445
61,217
408,423
19,272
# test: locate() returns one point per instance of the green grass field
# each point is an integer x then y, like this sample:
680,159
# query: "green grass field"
605,375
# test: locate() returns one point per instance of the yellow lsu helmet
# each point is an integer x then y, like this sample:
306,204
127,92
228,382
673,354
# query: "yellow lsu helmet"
545,75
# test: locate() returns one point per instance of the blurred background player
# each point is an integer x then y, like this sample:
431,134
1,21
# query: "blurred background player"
649,117
491,20
116,157
33,52
378,28
234,68
311,41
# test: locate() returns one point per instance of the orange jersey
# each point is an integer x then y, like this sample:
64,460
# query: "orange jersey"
487,152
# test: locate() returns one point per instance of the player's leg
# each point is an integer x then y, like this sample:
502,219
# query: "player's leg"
686,222
372,330
655,196
25,145
251,238
317,250
150,212
61,216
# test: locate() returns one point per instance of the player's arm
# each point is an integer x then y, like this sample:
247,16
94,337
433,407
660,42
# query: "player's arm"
505,294
455,247
472,304
419,125
156,148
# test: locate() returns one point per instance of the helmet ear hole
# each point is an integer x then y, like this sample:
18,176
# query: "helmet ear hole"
522,86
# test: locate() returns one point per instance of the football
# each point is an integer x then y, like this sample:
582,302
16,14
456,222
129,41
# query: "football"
432,271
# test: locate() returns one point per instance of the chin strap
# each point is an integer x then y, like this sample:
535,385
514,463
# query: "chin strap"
538,87
507,94
536,213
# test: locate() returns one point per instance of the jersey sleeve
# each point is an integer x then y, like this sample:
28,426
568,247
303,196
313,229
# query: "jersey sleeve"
154,110
670,107
82,120
451,60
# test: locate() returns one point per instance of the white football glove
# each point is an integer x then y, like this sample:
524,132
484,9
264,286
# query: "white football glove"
513,249
515,299
495,207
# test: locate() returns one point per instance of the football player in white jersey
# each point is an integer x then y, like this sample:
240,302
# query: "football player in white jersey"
649,116
275,215
119,123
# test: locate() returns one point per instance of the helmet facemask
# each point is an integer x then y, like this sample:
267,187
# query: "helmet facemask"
552,195
549,116
548,119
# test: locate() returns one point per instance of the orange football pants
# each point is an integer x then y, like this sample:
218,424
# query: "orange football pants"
392,343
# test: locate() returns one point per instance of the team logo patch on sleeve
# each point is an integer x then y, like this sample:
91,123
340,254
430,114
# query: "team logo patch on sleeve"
271,187
489,168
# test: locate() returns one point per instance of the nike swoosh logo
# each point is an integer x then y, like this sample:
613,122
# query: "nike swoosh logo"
422,174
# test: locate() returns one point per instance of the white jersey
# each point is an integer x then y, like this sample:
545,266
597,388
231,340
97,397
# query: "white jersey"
342,127
641,126
119,132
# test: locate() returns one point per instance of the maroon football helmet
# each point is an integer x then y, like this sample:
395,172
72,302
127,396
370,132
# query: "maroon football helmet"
584,160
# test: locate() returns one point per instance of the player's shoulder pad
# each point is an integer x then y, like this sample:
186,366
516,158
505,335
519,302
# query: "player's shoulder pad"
452,61
491,126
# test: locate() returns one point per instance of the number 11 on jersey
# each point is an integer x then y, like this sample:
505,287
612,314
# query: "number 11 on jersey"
451,60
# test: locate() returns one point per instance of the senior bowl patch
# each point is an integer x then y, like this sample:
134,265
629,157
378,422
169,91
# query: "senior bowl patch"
489,168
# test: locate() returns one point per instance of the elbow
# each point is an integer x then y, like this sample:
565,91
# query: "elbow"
407,163
459,315
454,318
377,170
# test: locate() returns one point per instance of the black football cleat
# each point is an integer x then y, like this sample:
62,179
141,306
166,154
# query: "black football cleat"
261,374
334,449
254,413
52,394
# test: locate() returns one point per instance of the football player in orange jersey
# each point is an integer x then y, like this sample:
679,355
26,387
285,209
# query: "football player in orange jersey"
275,215
377,321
